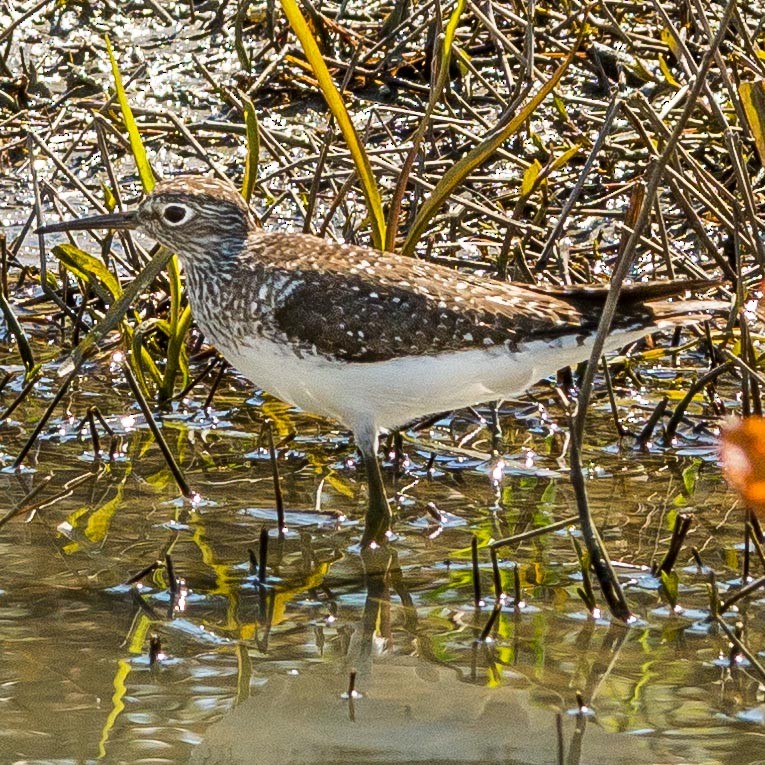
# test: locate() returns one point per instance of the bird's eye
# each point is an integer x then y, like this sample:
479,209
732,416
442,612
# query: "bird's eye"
175,214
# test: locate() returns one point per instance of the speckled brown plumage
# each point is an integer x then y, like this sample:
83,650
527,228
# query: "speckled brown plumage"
354,303
360,305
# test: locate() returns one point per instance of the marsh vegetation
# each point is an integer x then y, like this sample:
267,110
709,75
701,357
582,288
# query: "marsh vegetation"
174,542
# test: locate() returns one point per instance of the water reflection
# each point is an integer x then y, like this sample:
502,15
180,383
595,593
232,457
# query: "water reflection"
77,682
407,703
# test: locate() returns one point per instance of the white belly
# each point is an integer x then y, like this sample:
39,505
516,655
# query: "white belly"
388,394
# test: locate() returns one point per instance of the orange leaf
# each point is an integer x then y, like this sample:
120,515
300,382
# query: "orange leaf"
742,450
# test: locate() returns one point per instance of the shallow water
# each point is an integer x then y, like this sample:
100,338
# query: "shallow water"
75,679
76,683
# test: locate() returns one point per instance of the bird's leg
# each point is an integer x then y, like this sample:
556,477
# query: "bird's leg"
378,518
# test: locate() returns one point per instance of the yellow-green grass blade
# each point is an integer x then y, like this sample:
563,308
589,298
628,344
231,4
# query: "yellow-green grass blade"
25,349
141,359
456,174
752,95
115,313
253,148
136,144
103,283
176,358
89,270
339,112
443,73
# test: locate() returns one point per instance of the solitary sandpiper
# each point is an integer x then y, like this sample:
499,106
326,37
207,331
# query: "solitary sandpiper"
371,339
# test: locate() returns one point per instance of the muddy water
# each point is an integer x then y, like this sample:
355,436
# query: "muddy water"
76,684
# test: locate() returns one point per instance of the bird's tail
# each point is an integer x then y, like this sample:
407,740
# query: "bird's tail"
631,292
666,313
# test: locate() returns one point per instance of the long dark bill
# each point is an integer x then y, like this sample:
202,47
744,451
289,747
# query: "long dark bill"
118,220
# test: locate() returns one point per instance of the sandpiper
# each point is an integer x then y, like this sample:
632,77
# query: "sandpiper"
371,339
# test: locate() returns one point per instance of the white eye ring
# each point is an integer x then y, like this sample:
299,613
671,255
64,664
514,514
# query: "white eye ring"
176,214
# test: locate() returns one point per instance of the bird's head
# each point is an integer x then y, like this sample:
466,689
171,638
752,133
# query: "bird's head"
195,216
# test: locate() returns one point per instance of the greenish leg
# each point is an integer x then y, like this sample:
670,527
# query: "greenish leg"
378,519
